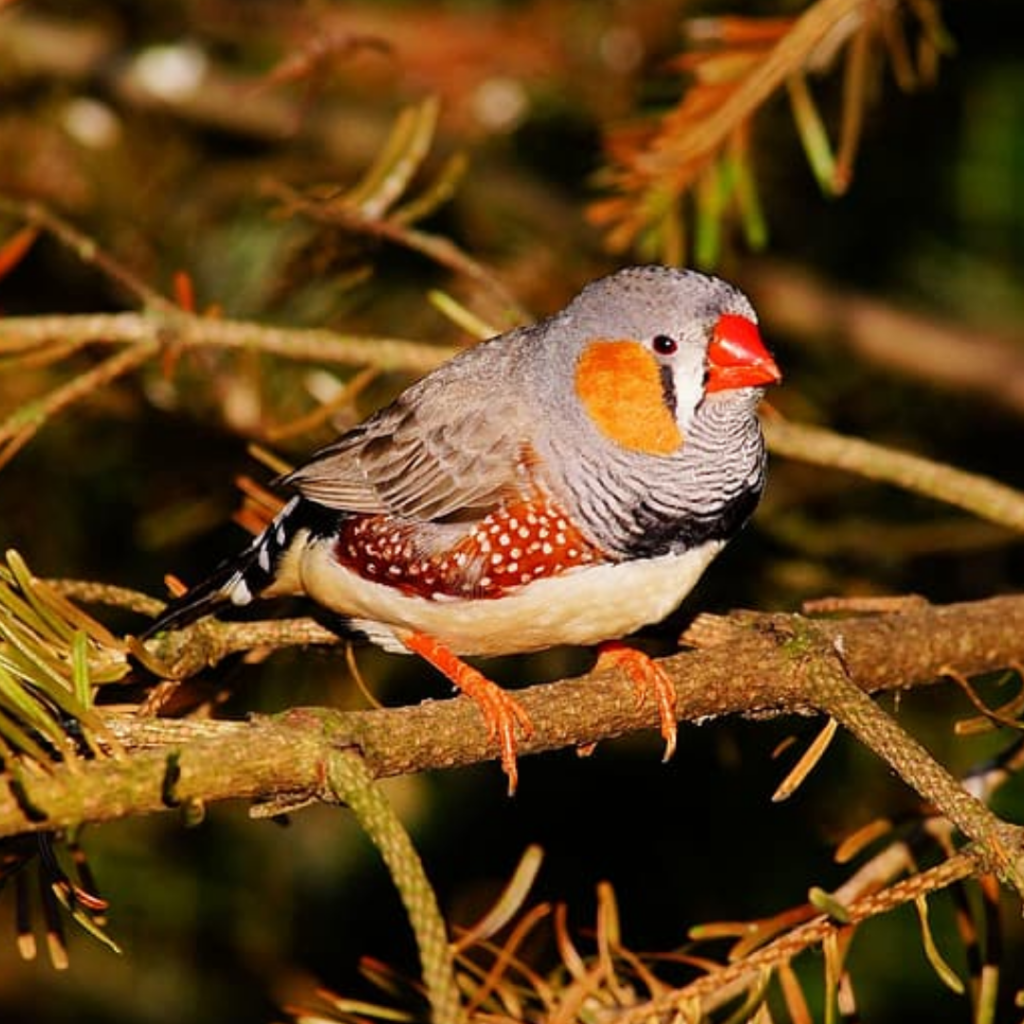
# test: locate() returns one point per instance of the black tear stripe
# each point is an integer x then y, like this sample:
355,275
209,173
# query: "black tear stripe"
668,389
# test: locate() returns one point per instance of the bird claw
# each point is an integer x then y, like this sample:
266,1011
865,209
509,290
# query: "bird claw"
501,711
648,678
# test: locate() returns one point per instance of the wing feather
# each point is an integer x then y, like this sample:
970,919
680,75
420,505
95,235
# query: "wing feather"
409,460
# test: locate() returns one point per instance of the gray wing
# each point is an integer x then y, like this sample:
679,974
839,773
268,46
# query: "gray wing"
447,448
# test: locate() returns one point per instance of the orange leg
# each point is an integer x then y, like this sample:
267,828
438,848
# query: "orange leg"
648,678
502,713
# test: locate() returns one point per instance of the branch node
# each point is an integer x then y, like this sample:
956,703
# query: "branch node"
172,776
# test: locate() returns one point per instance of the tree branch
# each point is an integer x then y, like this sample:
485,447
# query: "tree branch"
146,335
172,762
981,495
188,330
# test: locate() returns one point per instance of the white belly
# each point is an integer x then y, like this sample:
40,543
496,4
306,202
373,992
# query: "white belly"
584,606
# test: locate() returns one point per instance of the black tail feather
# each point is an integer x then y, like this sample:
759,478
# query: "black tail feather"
241,579
202,599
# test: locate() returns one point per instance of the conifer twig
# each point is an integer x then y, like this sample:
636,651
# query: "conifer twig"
972,492
353,785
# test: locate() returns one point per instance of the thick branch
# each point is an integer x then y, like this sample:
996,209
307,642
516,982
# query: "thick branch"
174,762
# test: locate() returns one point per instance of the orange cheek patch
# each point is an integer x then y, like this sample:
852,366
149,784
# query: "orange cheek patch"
619,384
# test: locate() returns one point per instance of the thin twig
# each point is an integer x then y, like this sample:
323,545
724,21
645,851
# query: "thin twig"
980,495
711,989
789,55
187,330
86,249
436,247
354,786
88,592
832,690
150,334
24,424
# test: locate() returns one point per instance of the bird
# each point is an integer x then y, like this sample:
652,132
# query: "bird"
562,483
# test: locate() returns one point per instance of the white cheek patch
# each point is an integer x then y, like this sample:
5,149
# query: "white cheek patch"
688,380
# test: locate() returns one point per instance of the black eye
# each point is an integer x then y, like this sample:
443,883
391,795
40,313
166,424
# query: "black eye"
664,345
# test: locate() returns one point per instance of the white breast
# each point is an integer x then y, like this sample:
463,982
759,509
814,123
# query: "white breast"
584,606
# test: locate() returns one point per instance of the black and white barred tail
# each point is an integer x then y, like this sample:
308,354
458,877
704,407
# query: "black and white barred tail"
244,577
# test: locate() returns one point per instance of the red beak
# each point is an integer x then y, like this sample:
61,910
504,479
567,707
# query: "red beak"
737,357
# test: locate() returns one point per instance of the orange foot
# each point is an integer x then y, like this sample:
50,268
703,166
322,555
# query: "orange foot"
648,678
502,712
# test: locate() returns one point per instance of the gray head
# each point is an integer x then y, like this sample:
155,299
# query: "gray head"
644,348
644,391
